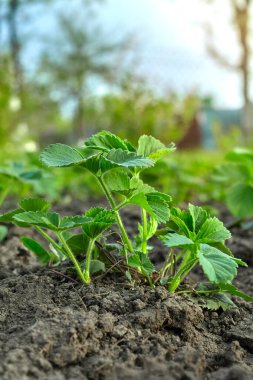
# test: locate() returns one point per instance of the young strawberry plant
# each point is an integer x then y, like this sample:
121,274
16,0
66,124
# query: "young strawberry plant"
193,237
201,241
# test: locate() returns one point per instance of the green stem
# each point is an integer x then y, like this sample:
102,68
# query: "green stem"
113,206
88,260
144,231
150,282
177,279
72,258
168,263
47,237
187,271
120,205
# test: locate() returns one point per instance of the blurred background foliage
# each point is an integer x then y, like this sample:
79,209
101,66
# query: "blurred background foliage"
64,81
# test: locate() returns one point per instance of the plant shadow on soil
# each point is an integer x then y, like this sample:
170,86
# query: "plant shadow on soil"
53,328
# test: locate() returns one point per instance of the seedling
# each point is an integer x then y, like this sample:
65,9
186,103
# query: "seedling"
193,237
201,241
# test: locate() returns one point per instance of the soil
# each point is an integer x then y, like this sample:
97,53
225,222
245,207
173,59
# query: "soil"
54,328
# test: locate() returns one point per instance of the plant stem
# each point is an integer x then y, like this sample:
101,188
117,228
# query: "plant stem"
88,260
177,279
120,205
168,263
144,231
187,271
150,282
113,206
47,237
72,258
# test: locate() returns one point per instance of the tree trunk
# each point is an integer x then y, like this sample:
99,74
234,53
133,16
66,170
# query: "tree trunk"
14,43
242,16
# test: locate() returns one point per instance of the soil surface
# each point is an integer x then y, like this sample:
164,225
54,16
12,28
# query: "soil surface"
53,328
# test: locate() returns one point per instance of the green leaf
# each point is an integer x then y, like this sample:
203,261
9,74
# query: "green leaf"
154,203
31,175
17,172
179,222
138,186
183,219
78,243
96,266
142,262
128,159
176,240
159,204
57,254
8,216
72,221
212,231
98,164
30,204
33,246
101,220
213,301
218,267
61,155
232,173
150,147
50,220
222,247
240,200
34,204
66,235
240,262
106,141
240,154
235,292
9,172
118,181
3,232
199,216
152,227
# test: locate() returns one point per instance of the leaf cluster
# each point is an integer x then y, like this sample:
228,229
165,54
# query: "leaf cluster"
192,236
203,238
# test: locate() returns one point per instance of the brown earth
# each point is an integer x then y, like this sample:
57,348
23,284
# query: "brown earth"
53,328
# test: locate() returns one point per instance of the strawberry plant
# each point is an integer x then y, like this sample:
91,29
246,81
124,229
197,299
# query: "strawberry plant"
192,236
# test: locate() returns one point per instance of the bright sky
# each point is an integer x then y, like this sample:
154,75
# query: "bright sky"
172,42
173,39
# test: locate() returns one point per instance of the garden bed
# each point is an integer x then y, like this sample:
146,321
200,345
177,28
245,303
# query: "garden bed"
54,328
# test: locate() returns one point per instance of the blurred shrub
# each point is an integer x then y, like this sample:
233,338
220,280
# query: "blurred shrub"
136,110
225,140
186,175
234,178
6,116
25,113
